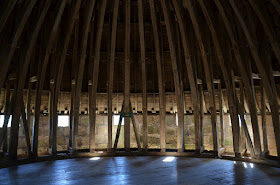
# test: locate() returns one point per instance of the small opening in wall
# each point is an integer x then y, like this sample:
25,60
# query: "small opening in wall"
2,119
176,119
116,119
63,121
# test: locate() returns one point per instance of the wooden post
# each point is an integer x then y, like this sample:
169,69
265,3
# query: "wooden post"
41,79
242,132
111,73
127,77
222,125
26,130
199,143
73,82
5,62
144,78
270,89
100,23
5,14
28,103
7,115
177,83
276,4
265,21
191,77
135,129
26,57
50,108
263,112
118,129
80,72
160,78
59,73
247,85
209,78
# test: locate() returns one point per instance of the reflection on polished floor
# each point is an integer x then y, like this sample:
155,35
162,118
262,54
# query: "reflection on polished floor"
140,170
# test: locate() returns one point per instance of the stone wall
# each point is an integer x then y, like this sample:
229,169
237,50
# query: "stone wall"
153,133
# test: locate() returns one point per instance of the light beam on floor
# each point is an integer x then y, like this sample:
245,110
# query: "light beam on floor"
168,159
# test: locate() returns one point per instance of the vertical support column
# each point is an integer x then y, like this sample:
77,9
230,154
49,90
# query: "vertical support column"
263,112
41,79
8,54
127,77
59,74
199,142
241,65
50,108
111,73
222,124
176,76
73,80
7,116
73,85
160,78
5,14
26,130
242,132
28,103
26,57
100,24
269,88
191,73
209,78
144,78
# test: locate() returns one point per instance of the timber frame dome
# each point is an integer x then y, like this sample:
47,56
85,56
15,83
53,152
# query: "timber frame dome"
189,78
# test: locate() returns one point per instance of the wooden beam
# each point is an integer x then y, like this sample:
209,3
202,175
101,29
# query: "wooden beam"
6,13
28,103
160,77
144,78
270,89
200,138
50,108
118,129
265,21
8,113
8,53
242,105
222,124
191,73
176,77
26,130
209,78
135,129
263,112
7,103
100,23
59,72
276,4
41,78
127,76
111,72
247,84
73,81
245,128
26,57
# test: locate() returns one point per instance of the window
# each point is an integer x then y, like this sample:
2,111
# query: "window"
63,121
2,118
116,119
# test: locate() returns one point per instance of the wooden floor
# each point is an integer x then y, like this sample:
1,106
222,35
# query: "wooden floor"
140,170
